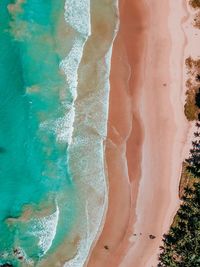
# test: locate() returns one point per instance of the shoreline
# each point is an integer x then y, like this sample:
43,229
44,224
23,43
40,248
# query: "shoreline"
123,110
91,106
164,141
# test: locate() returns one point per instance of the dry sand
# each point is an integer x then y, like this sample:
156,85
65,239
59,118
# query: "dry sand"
147,132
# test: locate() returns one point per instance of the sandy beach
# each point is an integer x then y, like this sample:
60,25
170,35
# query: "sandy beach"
100,119
147,132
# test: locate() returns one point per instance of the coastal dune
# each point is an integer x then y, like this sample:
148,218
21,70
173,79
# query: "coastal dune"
147,133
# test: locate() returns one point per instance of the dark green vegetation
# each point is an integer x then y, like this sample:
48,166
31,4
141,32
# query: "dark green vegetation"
181,246
182,243
197,99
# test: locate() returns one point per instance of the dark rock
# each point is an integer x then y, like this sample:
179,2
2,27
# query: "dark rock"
198,78
16,251
106,247
152,236
6,265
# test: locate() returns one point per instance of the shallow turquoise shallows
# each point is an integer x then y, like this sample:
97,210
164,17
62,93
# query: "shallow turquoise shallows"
34,179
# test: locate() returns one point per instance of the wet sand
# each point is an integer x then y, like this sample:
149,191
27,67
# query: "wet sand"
147,133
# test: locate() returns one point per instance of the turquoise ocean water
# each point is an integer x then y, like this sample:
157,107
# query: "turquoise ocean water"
34,177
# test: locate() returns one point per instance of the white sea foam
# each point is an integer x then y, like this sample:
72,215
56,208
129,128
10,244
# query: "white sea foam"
71,62
77,14
86,151
45,230
92,172
64,127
